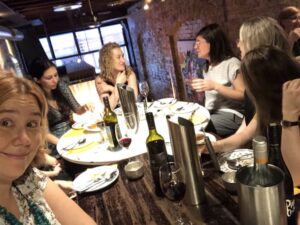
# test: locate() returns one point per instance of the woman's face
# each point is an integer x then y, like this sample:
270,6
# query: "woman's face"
20,135
240,45
291,23
49,79
202,47
118,59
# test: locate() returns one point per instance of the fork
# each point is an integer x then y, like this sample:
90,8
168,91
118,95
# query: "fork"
100,180
74,144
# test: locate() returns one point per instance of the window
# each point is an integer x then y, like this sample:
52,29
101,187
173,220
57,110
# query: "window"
84,45
113,33
63,45
45,45
88,40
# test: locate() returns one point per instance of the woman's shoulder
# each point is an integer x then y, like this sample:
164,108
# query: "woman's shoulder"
232,60
31,181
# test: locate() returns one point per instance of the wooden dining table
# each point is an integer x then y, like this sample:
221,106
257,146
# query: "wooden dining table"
133,202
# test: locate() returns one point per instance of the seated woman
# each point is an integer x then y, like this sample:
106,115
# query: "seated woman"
113,71
28,196
59,98
289,19
254,32
222,83
291,134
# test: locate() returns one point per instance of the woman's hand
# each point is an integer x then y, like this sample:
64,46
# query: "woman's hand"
200,85
291,100
121,78
89,107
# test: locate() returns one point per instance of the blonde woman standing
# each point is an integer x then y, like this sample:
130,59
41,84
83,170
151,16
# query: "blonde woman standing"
113,71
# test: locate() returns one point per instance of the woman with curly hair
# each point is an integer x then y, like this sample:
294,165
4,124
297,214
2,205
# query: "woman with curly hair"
114,71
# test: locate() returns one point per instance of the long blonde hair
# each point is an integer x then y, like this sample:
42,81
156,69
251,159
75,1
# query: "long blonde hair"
106,64
12,86
259,31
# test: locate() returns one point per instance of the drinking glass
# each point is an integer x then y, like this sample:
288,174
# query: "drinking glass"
144,91
172,184
126,129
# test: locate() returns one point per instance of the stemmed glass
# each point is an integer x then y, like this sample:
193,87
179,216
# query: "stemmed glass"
172,184
126,130
144,90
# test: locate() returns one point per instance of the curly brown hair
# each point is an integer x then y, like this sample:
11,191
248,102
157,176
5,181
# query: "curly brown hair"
12,86
106,65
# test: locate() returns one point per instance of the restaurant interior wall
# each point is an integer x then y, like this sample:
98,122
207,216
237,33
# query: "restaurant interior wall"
151,31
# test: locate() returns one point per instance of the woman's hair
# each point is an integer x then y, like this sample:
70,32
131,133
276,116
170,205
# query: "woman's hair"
39,66
265,70
12,86
287,13
220,48
259,31
106,62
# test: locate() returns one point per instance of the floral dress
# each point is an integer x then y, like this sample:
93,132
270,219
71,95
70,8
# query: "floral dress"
30,187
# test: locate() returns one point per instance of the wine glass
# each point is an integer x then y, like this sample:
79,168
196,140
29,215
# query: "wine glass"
144,90
126,129
172,184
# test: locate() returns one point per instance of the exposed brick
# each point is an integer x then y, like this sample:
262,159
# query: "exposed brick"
182,19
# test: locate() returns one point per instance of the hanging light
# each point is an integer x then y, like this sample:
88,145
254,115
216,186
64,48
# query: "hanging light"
146,6
67,7
95,23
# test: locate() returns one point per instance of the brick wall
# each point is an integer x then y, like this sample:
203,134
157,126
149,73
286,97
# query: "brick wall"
152,31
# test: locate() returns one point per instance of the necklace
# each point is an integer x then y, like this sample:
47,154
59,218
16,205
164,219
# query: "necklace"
38,215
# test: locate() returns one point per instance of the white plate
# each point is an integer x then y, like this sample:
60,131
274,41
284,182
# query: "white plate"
185,107
237,154
70,141
88,127
93,174
164,102
211,137
78,125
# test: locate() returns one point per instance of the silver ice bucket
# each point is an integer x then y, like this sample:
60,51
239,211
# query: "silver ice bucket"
261,205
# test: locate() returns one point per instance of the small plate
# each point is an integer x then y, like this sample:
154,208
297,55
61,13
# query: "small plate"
244,157
164,102
78,125
94,173
92,127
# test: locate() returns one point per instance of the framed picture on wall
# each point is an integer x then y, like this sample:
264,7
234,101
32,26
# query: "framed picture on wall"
184,47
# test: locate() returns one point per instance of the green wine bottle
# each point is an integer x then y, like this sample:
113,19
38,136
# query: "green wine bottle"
110,121
157,152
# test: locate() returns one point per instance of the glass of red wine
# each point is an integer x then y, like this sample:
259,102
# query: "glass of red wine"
172,183
126,129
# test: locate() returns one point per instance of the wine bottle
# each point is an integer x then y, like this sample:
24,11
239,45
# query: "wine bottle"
260,175
275,158
157,152
110,121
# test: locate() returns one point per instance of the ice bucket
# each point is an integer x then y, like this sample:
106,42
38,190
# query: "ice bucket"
261,205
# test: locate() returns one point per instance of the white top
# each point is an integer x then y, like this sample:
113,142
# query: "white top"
224,73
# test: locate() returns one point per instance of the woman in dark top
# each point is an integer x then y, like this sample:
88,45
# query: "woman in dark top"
113,71
60,100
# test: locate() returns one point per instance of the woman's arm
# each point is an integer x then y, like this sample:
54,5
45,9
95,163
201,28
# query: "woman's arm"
236,92
237,140
290,139
59,202
132,82
52,138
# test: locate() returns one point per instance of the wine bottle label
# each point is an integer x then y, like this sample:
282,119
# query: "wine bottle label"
290,207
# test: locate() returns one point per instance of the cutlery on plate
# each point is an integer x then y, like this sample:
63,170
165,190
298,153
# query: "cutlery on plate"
75,144
193,113
106,177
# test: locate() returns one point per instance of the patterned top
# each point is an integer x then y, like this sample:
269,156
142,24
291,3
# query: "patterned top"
32,185
66,102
